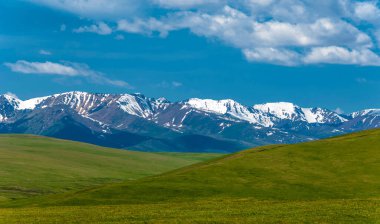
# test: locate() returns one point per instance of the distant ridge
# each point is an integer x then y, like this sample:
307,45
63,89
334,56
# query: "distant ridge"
142,123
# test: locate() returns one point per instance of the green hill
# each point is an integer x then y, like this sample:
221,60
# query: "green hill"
335,180
346,167
31,165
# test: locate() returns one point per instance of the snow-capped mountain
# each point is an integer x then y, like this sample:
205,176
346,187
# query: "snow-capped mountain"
232,108
290,111
139,122
365,119
368,112
268,114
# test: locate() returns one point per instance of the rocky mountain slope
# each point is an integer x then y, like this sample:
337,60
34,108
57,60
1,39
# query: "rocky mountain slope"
135,121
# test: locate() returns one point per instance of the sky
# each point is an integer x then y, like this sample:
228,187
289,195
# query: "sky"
312,53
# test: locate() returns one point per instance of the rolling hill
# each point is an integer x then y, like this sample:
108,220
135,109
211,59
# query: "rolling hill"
346,167
335,180
32,165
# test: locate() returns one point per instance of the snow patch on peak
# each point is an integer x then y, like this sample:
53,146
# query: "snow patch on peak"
162,100
290,111
366,112
10,97
23,105
216,106
31,104
72,93
134,105
282,110
313,117
319,115
231,108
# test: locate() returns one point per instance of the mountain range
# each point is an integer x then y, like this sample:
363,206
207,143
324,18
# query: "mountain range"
137,122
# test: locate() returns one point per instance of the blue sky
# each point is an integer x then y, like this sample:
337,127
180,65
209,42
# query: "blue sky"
253,51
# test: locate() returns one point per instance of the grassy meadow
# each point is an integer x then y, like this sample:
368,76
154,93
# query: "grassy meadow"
203,211
335,180
31,165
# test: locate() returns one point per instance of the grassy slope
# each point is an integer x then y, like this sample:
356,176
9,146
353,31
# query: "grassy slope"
31,165
329,181
346,167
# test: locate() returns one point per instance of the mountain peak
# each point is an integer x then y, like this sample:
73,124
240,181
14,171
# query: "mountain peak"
282,110
18,104
365,112
290,111
276,106
138,104
10,96
216,106
31,103
107,114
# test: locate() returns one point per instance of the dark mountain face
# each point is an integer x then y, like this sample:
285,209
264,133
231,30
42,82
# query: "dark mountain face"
134,121
7,107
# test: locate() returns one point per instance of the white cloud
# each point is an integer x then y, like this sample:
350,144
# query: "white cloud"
186,4
286,32
260,2
99,28
97,9
339,55
46,68
237,29
44,52
367,11
147,27
272,55
68,69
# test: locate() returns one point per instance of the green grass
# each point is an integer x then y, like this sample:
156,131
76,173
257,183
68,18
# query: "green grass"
209,211
31,165
335,180
346,167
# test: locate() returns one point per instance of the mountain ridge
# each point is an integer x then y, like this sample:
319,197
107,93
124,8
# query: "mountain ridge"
166,124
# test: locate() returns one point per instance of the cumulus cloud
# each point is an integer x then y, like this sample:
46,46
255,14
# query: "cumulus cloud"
339,55
67,69
146,27
273,55
367,11
99,28
286,32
